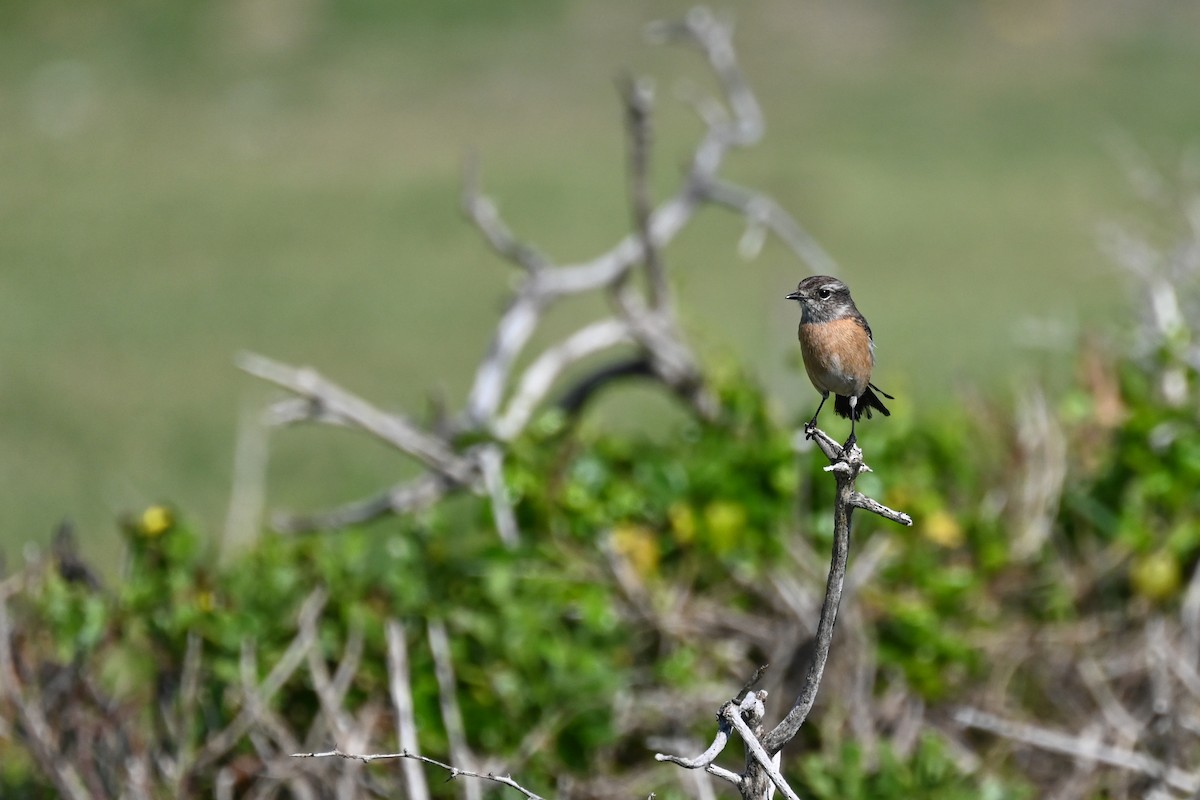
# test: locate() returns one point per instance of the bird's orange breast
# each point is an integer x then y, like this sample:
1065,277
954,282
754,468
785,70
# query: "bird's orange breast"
838,355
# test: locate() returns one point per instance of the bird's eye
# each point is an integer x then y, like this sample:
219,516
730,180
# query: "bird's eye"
824,294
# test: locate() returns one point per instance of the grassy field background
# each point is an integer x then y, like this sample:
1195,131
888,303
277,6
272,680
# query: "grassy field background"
181,181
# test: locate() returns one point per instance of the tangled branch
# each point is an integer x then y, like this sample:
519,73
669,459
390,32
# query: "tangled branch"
502,400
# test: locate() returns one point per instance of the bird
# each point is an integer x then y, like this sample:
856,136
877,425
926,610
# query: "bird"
838,350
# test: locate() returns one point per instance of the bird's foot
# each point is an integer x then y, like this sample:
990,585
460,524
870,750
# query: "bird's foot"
848,447
810,429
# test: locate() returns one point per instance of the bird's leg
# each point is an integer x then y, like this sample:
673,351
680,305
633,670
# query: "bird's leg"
853,440
810,428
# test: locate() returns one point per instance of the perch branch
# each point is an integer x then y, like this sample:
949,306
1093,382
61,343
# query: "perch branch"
753,703
845,470
762,767
785,730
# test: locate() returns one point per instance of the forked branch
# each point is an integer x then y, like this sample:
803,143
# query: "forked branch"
502,400
761,767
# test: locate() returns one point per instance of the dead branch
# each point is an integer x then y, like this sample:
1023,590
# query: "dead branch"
402,700
40,736
761,770
501,402
1082,748
452,719
455,772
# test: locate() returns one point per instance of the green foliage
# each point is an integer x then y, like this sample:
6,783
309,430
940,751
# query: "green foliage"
530,630
545,626
1139,498
929,774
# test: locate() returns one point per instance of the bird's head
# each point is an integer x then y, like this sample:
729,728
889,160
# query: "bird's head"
822,299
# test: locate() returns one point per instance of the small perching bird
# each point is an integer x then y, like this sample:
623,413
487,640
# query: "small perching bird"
839,351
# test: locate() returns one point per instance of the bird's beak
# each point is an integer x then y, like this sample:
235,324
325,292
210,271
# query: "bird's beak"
794,296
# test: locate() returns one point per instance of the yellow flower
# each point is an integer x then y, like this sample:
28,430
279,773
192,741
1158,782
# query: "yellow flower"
683,522
942,528
205,601
1157,576
155,521
726,521
638,545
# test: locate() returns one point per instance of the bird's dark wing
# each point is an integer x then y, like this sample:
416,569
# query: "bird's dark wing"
862,321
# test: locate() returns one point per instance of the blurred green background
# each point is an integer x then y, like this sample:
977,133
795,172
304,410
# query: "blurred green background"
181,181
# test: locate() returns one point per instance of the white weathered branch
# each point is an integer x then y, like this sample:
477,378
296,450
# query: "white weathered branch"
1083,748
501,401
253,704
433,451
404,498
705,758
402,700
540,377
455,772
452,719
767,761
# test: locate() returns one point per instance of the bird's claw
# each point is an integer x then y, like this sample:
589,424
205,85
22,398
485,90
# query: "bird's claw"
848,447
810,430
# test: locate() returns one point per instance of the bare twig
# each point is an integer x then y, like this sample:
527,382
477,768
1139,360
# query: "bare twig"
402,700
403,498
540,377
842,508
391,428
764,213
483,212
186,713
708,756
40,738
443,669
455,772
247,493
750,683
1042,447
705,760
220,744
331,692
1114,711
491,464
639,99
859,500
1078,747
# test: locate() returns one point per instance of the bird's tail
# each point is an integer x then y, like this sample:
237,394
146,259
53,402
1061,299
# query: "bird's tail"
869,400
